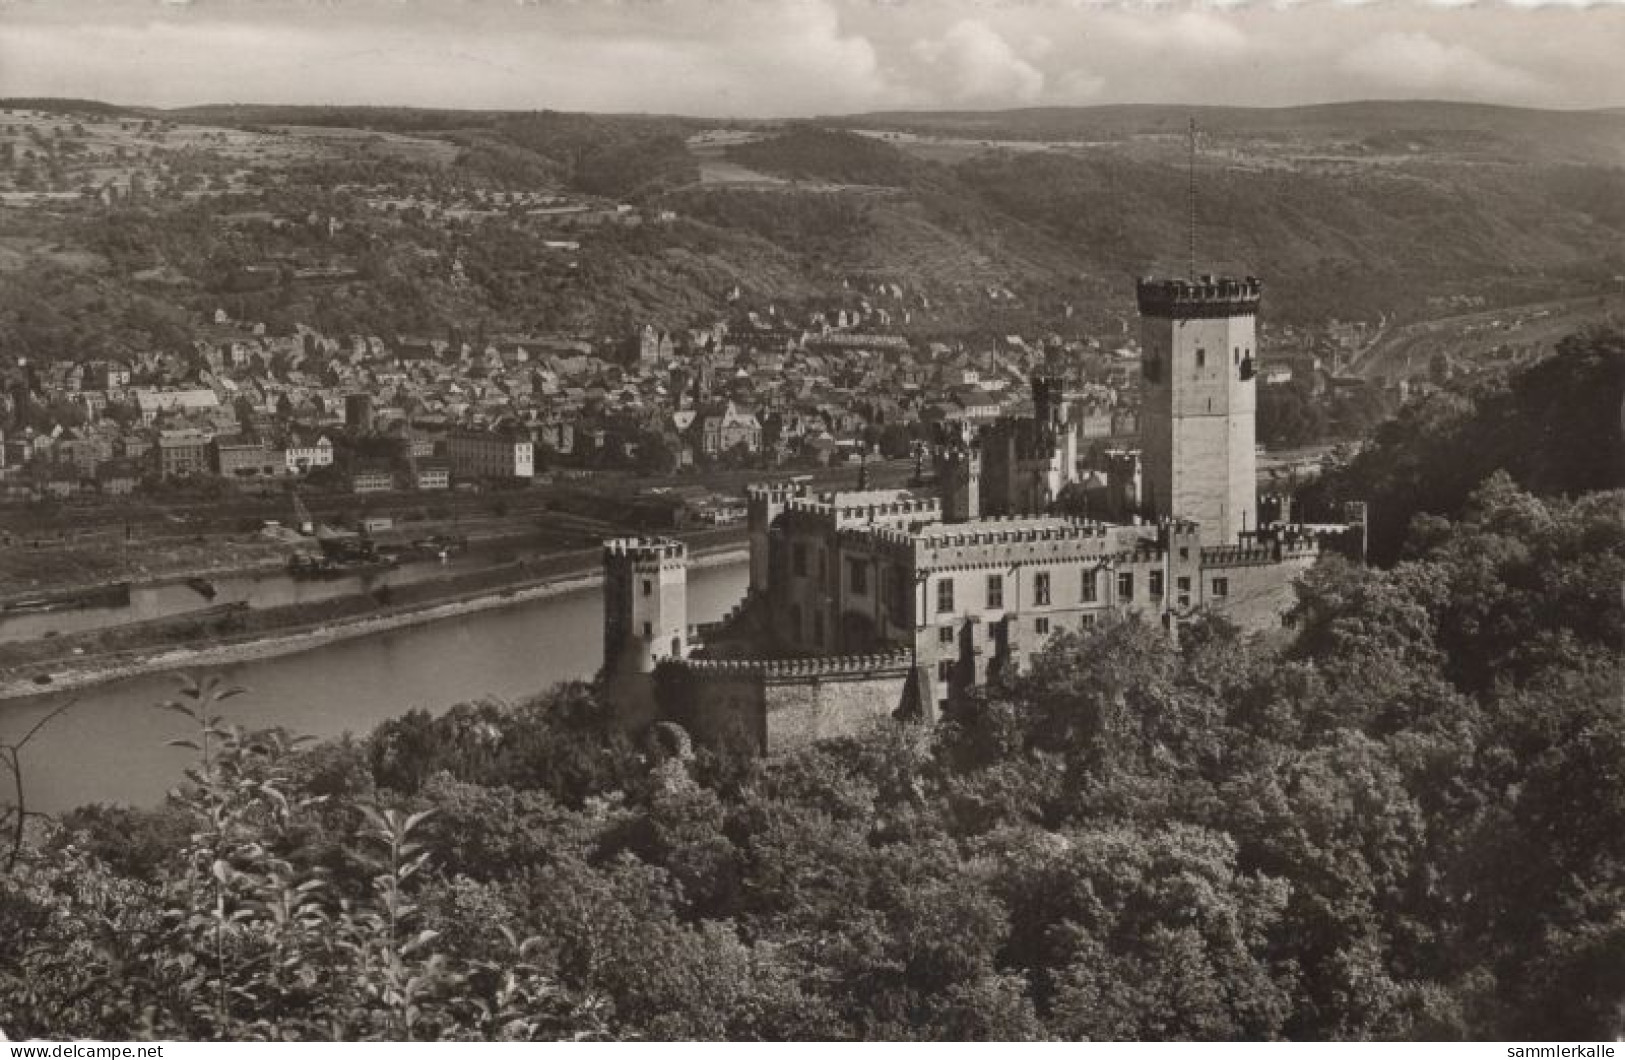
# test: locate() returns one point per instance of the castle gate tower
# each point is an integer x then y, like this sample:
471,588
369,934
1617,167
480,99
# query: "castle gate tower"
645,603
1198,342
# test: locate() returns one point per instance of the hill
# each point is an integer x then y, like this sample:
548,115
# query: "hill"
1481,130
990,222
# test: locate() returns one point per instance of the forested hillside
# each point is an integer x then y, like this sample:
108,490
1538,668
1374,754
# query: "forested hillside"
420,221
1407,822
1555,428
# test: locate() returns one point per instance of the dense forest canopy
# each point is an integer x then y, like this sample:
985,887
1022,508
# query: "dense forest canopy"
1406,822
1556,428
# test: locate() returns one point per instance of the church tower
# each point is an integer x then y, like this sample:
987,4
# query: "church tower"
1198,344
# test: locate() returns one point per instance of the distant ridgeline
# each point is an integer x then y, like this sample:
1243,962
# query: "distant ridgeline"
864,604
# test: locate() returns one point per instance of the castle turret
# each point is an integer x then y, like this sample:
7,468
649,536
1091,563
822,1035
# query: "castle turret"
959,478
1197,432
764,503
1124,501
645,603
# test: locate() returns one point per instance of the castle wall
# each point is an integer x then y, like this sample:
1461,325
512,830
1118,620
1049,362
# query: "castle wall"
1257,587
772,706
801,712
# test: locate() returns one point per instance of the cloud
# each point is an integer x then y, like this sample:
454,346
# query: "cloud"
1418,62
1078,86
789,58
1203,35
975,64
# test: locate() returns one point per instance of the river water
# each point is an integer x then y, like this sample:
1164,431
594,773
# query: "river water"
110,746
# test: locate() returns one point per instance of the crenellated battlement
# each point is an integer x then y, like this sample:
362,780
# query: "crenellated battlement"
1292,543
1008,529
793,669
645,549
1220,556
880,538
1207,297
774,492
914,509
860,508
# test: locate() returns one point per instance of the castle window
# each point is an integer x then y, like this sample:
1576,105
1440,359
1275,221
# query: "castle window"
1041,626
648,587
1184,585
1156,583
859,577
995,591
945,669
1221,586
1041,588
1184,553
648,629
1201,357
1238,355
945,596
1125,585
798,560
1086,621
1091,587
945,635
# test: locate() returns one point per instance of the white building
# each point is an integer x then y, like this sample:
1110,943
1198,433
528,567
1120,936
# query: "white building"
154,403
302,455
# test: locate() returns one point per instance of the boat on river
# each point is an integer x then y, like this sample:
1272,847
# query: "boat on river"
114,595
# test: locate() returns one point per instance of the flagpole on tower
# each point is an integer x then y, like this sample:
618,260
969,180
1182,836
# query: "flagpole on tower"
1191,173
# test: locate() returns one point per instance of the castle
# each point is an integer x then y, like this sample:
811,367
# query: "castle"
867,603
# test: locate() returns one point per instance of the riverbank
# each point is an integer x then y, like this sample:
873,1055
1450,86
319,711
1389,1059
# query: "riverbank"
87,669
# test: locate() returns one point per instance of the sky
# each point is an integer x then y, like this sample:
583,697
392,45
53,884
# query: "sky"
798,58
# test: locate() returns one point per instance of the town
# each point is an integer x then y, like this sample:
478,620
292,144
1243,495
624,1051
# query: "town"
759,389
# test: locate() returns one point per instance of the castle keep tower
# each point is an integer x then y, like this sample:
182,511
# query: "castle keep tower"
645,603
1198,342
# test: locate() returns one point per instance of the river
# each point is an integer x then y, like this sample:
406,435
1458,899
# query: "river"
110,746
